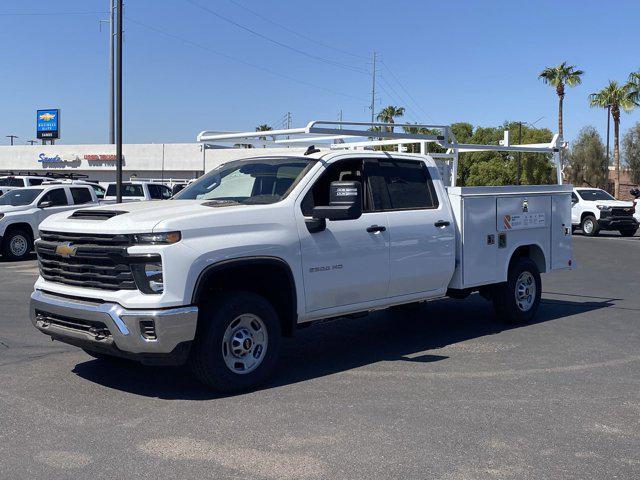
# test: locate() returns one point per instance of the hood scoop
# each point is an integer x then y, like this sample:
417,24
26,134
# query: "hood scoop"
95,214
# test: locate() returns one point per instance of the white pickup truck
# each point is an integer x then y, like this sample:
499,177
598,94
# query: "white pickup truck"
593,210
264,244
23,209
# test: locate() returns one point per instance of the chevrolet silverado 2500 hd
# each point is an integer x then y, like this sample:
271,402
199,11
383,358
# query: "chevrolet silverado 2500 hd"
260,245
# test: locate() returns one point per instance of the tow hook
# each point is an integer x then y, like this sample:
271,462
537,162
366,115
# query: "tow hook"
99,333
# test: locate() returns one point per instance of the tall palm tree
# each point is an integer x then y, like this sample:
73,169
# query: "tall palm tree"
389,114
616,97
558,77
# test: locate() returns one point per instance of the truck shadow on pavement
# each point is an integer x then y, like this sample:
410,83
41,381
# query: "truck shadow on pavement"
343,344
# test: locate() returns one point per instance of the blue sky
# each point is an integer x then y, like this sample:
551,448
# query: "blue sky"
458,61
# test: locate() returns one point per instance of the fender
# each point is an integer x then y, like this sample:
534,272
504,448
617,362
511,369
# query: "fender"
505,269
289,325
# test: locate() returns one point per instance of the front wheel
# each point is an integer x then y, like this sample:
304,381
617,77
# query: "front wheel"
590,226
237,342
517,300
16,245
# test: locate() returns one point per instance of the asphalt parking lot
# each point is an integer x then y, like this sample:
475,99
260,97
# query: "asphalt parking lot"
444,392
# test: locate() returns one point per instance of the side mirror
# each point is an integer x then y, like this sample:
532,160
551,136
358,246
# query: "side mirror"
345,202
45,204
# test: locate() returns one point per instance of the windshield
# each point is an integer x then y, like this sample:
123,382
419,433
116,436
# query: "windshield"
128,190
24,196
251,181
11,182
595,194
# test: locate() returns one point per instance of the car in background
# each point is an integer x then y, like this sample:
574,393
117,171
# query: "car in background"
594,209
139,191
97,188
23,209
9,182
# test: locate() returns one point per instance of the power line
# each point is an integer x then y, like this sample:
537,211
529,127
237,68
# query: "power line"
47,14
301,35
405,90
276,42
238,60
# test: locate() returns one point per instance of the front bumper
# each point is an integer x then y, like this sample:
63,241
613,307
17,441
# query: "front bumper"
617,223
161,336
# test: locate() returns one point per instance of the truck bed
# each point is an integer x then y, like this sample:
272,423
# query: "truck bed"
492,222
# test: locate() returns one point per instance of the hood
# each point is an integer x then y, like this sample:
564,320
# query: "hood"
11,208
611,203
130,217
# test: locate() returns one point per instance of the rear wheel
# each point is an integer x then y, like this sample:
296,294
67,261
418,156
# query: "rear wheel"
628,232
237,343
589,226
17,244
517,300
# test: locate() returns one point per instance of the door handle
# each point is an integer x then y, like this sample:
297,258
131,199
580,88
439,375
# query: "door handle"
442,223
376,228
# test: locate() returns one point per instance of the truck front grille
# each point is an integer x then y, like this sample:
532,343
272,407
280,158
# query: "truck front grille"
93,261
617,212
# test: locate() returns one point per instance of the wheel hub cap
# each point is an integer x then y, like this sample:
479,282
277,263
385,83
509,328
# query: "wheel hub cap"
18,246
244,343
525,291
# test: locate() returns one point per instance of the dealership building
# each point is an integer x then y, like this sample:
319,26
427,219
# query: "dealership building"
158,161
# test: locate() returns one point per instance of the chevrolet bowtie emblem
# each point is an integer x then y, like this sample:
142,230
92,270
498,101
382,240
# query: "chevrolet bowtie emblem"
66,250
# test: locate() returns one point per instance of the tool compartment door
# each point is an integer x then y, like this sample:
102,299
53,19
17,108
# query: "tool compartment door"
561,240
479,240
524,219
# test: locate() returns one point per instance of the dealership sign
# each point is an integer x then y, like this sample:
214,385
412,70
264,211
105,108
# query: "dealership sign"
48,123
50,159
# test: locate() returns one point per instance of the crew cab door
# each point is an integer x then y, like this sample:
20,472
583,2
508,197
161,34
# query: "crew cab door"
60,202
347,262
421,227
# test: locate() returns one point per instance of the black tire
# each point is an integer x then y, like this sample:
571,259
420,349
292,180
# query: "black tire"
505,304
628,232
16,236
207,360
590,231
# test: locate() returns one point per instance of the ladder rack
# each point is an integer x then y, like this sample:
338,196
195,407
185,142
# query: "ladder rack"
366,135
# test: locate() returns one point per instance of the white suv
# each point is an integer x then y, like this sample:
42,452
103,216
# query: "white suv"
23,209
139,191
593,210
9,182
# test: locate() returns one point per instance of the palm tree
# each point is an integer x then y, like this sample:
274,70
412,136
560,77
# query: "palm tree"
616,97
263,128
634,85
388,114
558,77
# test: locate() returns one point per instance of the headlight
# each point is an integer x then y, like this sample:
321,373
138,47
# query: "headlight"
157,238
148,276
604,208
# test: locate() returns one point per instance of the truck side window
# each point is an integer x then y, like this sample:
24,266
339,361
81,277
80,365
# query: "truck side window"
348,170
56,196
409,185
81,195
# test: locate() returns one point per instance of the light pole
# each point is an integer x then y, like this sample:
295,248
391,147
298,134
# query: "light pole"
118,106
12,137
32,142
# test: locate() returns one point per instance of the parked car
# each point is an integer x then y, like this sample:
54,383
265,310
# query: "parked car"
259,246
9,182
23,209
139,191
594,209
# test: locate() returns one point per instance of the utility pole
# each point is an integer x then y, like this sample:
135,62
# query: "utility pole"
32,142
112,7
340,117
12,137
118,106
288,120
373,90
